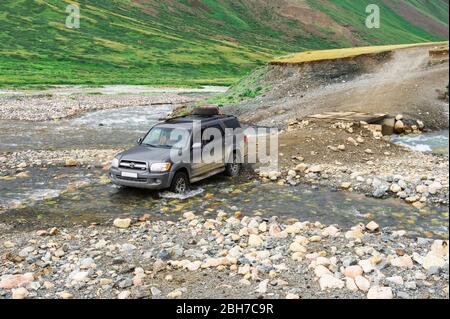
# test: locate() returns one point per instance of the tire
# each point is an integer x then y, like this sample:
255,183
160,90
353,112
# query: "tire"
233,169
180,183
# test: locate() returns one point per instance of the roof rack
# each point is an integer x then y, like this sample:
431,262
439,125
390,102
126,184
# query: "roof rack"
209,112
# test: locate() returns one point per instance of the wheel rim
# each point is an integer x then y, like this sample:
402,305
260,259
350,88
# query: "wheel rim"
234,168
180,185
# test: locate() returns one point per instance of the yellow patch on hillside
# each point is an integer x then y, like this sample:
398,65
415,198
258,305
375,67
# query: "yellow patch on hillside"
322,55
110,44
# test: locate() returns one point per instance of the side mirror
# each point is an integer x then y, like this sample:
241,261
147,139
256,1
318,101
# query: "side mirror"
139,141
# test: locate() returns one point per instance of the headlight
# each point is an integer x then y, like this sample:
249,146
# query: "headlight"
160,167
115,163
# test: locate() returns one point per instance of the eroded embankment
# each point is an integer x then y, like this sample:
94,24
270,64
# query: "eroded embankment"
402,81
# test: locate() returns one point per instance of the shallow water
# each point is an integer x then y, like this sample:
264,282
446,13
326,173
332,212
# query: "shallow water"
101,201
99,129
436,142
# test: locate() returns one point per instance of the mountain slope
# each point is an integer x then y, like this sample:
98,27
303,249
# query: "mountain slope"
190,42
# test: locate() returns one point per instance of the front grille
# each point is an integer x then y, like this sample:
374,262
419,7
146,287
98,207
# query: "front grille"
140,166
139,179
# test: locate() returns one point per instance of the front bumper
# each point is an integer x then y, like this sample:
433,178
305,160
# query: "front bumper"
144,179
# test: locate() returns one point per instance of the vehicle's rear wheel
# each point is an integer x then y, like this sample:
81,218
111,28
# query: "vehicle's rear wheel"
233,168
180,183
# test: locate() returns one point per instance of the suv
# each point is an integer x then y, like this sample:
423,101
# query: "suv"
152,164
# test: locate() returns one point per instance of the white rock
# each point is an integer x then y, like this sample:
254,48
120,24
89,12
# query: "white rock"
122,223
422,189
402,262
255,240
189,216
124,294
353,271
434,188
395,188
297,247
372,226
433,260
19,293
362,283
262,287
440,248
378,292
366,265
330,231
320,271
350,284
330,282
398,280
292,296
174,294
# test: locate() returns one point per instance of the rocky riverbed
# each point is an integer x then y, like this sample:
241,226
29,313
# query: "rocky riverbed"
45,107
350,158
221,256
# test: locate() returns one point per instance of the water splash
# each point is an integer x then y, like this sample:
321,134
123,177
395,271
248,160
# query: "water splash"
190,194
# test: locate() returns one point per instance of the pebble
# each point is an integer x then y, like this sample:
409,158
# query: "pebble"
122,223
327,281
20,293
362,283
353,271
378,292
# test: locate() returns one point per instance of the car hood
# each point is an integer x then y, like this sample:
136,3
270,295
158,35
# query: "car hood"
146,154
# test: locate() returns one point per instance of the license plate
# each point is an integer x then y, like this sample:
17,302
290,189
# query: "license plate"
131,175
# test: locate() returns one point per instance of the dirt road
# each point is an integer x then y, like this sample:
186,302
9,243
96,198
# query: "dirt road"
404,82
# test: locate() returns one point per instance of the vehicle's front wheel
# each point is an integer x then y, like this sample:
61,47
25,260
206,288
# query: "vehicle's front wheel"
233,168
180,183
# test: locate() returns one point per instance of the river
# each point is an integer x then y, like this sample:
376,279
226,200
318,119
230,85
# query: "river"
64,196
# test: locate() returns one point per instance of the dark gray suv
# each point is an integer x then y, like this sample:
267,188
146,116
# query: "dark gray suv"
172,155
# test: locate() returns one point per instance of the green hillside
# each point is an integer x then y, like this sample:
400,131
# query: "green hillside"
189,42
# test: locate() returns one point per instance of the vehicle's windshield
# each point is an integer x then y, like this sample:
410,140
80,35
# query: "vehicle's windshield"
167,137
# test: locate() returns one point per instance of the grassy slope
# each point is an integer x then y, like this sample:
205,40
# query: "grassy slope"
170,42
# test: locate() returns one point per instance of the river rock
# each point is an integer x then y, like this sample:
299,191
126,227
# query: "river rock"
255,240
189,216
402,262
397,280
399,126
174,294
315,169
346,185
321,270
362,283
15,281
433,260
262,287
395,188
440,248
19,293
372,226
327,281
421,189
378,292
350,284
434,188
122,223
353,271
